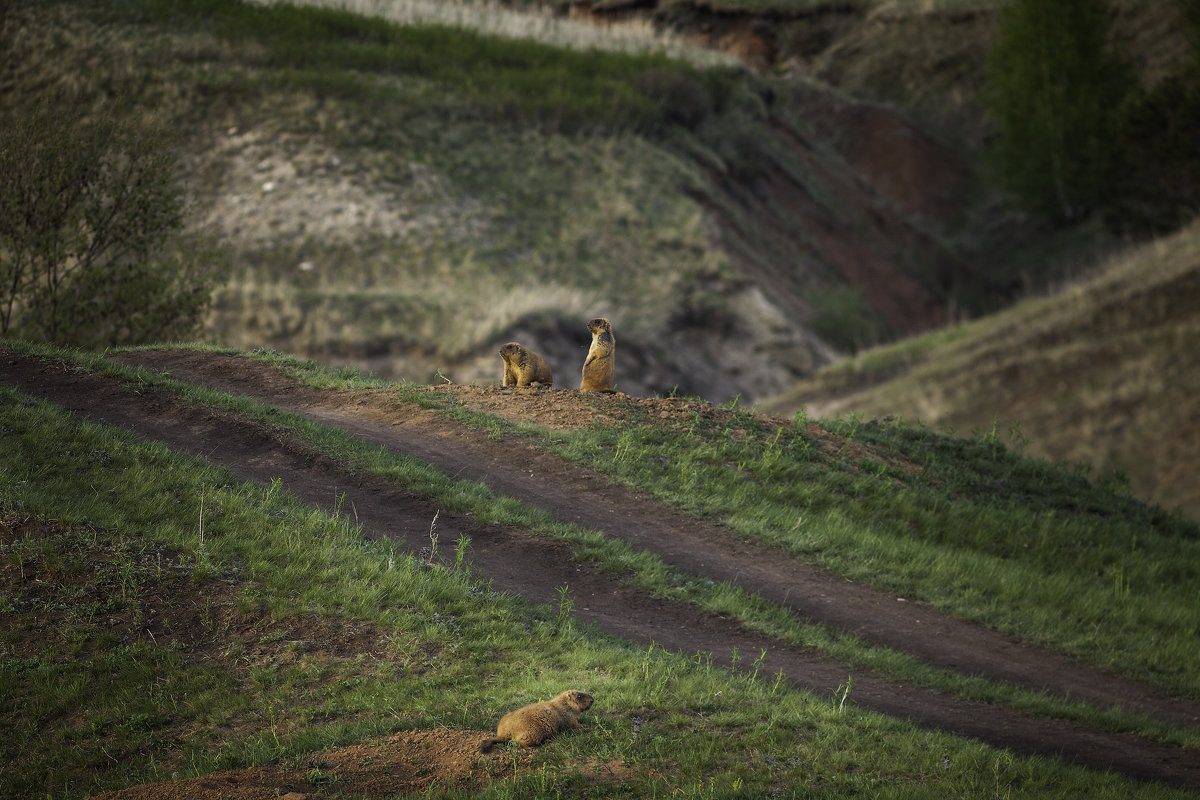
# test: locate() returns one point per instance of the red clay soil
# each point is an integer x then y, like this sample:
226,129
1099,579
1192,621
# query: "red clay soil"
531,566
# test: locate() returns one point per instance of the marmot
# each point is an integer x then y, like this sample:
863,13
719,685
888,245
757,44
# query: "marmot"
524,367
537,722
598,369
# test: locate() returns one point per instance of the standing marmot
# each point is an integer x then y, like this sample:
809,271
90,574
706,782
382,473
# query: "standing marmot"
523,367
598,369
537,722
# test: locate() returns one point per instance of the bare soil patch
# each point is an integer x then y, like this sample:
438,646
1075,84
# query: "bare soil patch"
529,565
403,763
398,764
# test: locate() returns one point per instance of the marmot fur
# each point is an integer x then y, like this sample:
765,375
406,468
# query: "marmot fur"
524,367
537,722
598,371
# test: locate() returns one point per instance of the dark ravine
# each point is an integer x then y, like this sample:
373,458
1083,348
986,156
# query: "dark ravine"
575,494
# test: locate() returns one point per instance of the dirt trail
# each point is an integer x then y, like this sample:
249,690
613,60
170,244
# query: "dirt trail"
533,567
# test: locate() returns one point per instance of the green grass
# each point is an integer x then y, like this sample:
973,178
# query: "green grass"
785,6
645,570
542,23
980,532
965,523
502,78
848,515
689,727
979,518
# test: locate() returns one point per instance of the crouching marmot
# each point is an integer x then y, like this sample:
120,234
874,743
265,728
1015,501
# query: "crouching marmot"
523,367
537,722
598,371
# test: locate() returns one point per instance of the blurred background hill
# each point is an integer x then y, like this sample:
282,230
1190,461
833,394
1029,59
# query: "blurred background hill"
791,203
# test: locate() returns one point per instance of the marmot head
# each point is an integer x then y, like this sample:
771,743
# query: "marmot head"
580,701
599,324
511,350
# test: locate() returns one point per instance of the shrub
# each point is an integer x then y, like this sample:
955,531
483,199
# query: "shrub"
679,95
1054,87
841,318
90,247
1159,185
1159,188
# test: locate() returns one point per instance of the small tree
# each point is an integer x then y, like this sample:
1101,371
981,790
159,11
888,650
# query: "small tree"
1054,87
87,211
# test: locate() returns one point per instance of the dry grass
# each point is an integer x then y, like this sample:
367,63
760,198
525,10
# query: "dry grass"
1106,373
336,261
637,35
402,319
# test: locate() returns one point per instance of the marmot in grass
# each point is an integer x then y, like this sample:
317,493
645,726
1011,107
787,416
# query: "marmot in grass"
598,368
537,722
523,367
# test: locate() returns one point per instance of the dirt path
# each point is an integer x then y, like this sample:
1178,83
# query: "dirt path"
533,567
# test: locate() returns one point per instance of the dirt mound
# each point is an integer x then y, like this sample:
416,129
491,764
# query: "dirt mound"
568,409
403,763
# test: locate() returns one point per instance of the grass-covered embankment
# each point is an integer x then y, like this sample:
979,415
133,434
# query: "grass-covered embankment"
115,528
365,173
969,524
1102,374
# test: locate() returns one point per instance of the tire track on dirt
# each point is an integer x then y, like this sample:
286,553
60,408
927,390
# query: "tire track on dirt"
528,565
572,493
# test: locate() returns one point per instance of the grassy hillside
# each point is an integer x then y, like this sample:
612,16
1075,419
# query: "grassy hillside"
277,630
407,197
1103,374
